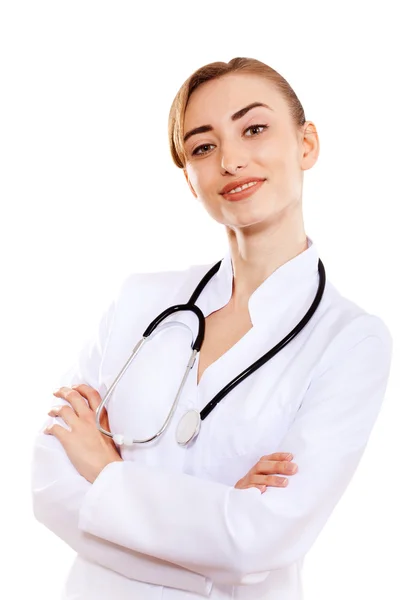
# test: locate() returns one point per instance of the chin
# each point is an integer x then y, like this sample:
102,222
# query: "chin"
248,221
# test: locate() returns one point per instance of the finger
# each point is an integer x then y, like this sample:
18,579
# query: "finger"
278,456
275,481
66,413
94,399
272,467
268,480
59,432
75,399
91,395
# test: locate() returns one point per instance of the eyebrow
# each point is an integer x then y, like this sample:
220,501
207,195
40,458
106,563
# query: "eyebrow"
238,115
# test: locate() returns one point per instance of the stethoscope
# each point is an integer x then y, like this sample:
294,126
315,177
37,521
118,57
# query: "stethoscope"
190,423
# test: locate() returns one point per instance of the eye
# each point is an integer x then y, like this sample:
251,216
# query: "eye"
263,127
196,151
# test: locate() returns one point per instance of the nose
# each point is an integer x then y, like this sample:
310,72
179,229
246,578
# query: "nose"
232,160
230,169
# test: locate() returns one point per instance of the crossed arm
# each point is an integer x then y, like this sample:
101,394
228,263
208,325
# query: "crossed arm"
65,467
238,535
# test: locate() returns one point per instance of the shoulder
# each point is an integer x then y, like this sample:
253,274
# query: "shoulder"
159,287
141,297
349,325
158,281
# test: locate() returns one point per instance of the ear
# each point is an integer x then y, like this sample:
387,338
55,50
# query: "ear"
310,146
189,183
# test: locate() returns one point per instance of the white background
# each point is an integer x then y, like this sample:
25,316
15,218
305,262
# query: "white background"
89,194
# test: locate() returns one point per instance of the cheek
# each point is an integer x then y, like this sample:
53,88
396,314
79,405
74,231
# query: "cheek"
281,163
278,152
204,180
200,178
271,155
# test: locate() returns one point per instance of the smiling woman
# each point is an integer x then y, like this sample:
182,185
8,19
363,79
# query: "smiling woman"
282,366
239,133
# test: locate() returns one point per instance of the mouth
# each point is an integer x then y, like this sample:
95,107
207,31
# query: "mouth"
242,183
242,189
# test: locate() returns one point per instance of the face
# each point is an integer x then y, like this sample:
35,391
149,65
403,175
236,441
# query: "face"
263,142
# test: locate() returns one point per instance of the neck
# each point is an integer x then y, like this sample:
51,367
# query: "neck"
256,255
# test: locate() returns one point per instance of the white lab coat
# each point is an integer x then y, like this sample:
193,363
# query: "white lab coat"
167,523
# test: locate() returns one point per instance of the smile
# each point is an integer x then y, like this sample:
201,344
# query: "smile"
243,187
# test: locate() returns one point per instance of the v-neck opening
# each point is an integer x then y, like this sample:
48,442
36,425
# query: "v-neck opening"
220,358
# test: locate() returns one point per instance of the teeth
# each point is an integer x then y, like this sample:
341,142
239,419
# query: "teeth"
243,187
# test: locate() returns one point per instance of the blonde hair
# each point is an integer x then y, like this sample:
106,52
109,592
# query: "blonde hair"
216,70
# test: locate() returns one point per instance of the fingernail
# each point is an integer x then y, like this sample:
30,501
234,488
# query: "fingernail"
284,482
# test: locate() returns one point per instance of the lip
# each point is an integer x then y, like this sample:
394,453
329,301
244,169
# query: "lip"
235,184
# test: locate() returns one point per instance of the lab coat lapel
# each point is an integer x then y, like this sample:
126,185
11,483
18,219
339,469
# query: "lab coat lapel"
275,307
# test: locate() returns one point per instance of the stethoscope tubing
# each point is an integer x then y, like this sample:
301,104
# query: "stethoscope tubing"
268,355
118,438
196,347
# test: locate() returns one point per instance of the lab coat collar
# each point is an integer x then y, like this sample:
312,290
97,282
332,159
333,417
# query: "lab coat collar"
272,296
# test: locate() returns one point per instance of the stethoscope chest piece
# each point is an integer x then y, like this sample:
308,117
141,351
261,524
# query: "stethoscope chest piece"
188,427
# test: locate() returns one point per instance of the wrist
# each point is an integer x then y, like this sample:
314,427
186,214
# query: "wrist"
97,472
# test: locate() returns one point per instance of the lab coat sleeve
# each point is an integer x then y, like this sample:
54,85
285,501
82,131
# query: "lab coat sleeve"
235,536
58,491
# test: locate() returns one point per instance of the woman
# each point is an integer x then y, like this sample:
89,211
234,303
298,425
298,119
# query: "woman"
168,520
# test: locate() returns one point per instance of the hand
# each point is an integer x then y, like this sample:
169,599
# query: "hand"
262,475
88,449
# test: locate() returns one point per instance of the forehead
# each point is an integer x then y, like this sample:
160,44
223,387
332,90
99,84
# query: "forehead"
216,100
